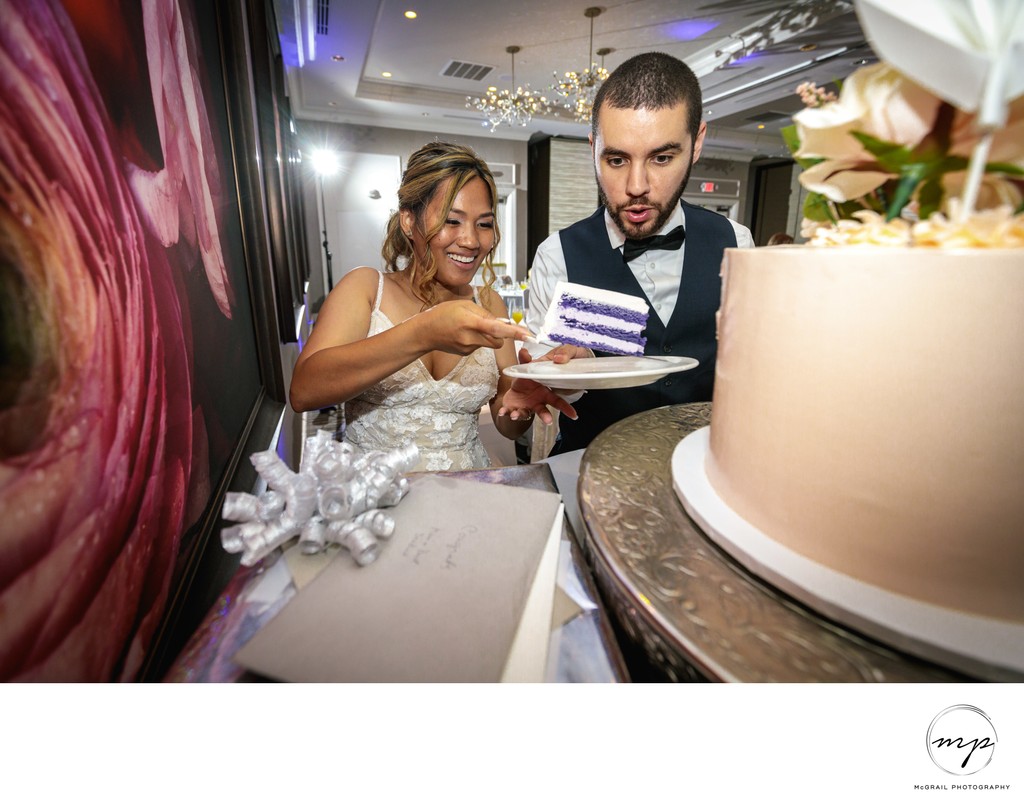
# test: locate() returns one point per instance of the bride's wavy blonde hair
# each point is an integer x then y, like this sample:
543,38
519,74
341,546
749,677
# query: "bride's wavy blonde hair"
428,169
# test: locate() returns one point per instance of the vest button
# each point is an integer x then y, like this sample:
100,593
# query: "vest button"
666,349
668,383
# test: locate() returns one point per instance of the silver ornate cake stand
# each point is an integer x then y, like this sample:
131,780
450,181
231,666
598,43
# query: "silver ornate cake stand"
694,611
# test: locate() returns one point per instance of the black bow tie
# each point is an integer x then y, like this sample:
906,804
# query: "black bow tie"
672,240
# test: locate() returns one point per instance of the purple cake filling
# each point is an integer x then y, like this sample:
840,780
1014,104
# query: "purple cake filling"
598,345
630,316
597,328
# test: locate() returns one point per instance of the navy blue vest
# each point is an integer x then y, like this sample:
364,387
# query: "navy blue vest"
690,331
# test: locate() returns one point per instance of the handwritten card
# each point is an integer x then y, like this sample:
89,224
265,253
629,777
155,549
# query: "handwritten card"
442,603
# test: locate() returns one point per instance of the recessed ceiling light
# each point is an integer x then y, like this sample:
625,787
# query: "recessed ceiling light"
810,46
386,74
709,112
760,126
332,103
410,15
338,57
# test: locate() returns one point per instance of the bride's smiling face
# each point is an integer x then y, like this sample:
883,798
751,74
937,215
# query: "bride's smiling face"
466,236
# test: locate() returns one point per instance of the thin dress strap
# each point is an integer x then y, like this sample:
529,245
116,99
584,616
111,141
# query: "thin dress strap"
380,290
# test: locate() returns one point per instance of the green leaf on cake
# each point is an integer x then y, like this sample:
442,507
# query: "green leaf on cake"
890,156
792,141
1004,168
816,208
929,198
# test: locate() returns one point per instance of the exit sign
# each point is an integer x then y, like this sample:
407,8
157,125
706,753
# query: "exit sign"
718,188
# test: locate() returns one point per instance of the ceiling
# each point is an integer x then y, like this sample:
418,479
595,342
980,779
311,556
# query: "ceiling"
749,55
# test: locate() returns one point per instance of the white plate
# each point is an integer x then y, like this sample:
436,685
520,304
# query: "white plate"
601,372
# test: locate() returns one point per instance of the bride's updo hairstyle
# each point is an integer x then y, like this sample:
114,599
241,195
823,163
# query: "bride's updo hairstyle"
427,173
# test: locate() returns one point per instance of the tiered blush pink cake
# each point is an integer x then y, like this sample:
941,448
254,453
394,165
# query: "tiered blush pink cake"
868,429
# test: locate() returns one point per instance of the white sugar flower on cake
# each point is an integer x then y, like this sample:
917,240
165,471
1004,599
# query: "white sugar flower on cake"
909,141
991,228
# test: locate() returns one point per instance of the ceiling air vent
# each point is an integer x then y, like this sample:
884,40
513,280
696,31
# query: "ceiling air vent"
457,69
322,7
769,117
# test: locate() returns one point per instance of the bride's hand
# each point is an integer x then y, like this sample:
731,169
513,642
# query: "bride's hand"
461,327
527,398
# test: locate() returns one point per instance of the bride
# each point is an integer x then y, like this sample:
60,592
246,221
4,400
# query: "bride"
414,352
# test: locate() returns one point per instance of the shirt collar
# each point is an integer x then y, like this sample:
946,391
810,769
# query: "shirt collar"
616,238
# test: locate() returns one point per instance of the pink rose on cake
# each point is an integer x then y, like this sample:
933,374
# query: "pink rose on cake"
877,102
888,145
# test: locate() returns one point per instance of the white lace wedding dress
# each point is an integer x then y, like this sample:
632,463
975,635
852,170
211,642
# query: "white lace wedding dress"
441,416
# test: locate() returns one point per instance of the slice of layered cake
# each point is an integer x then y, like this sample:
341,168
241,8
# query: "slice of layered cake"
596,319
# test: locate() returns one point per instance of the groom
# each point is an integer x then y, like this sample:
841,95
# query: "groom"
646,134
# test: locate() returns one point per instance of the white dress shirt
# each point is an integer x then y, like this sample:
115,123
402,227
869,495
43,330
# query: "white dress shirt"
657,271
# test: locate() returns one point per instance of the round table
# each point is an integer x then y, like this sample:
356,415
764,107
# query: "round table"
694,612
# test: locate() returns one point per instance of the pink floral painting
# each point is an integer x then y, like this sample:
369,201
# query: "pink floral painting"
127,359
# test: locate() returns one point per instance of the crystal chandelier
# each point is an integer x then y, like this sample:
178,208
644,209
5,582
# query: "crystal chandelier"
507,106
578,88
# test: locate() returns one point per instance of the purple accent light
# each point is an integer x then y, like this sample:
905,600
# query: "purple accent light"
687,30
742,60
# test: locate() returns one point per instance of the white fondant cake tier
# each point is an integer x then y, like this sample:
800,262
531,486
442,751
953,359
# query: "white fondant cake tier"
982,647
868,414
595,318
